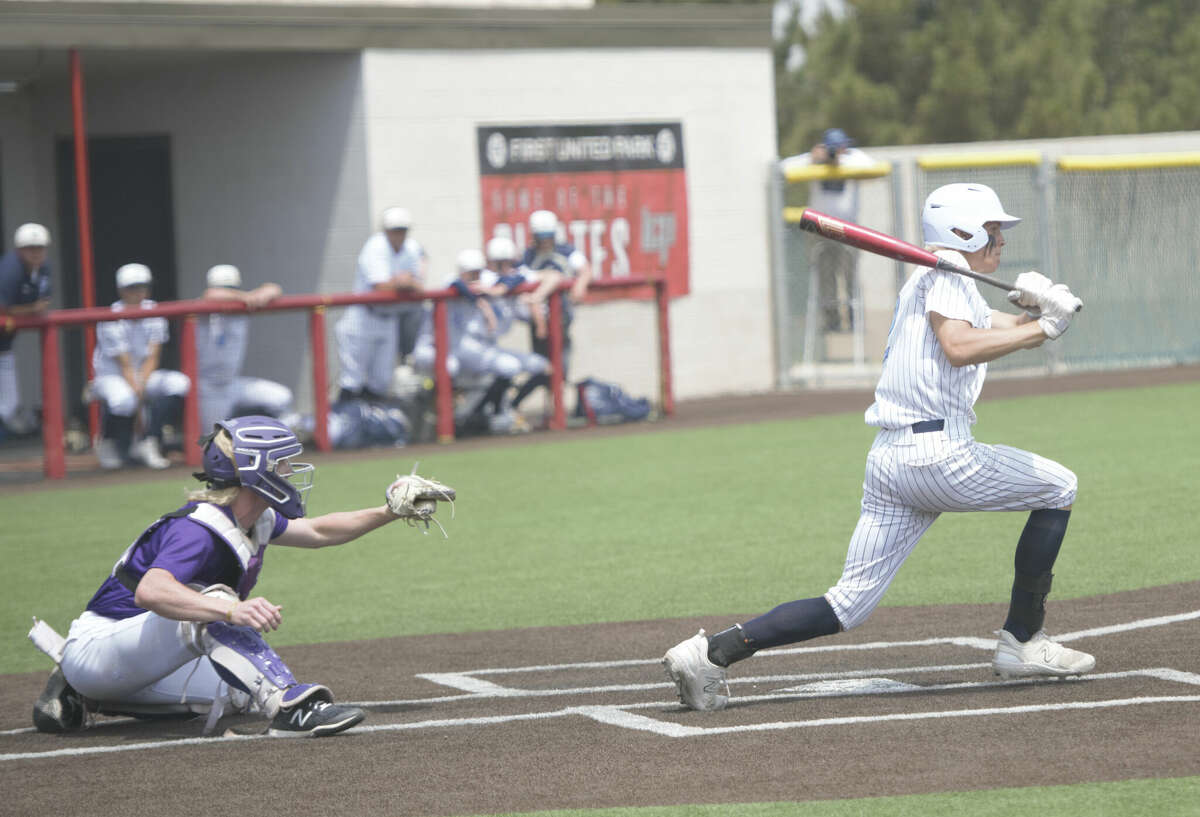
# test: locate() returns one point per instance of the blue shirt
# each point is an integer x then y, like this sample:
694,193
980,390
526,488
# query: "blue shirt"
187,550
17,286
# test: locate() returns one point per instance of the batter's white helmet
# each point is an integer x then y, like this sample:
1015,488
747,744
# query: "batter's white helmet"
501,248
133,275
471,261
542,223
31,235
225,275
396,218
965,208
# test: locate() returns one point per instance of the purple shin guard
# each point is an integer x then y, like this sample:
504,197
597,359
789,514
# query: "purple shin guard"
244,660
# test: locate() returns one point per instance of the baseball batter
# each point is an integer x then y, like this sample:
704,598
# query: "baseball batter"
221,350
175,628
370,336
924,460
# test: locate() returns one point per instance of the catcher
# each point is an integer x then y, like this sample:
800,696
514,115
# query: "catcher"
175,629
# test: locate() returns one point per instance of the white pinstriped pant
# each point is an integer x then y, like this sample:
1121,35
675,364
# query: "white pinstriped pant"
913,478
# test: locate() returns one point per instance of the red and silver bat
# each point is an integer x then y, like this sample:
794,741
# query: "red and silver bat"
845,232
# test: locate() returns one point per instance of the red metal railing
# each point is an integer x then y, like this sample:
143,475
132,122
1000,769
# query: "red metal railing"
53,445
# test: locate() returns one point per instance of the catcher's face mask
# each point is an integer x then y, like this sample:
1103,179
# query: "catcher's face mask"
263,449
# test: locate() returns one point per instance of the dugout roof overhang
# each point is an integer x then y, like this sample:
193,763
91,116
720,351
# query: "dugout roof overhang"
31,25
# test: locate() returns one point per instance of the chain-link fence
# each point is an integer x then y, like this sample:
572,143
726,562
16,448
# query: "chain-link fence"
834,302
1120,230
1126,240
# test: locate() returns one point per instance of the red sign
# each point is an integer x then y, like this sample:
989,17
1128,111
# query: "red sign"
619,192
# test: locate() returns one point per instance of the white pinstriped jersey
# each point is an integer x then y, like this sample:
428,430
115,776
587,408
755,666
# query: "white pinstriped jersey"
918,383
913,476
126,337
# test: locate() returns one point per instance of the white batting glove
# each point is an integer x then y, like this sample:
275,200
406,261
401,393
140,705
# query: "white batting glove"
1029,285
1060,297
1058,305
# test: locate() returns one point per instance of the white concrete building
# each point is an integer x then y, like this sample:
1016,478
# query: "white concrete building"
271,134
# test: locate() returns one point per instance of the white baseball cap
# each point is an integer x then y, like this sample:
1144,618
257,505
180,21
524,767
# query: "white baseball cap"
31,235
542,223
396,218
502,248
133,275
225,275
471,261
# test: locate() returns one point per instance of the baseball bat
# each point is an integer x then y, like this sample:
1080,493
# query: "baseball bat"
855,235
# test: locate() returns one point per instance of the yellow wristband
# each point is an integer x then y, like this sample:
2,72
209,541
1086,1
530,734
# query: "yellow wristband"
229,612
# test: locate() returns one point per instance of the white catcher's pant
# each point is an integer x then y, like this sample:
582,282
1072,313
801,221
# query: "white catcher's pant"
911,479
220,401
119,398
146,660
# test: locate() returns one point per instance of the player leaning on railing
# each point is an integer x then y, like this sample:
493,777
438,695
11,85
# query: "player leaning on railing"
925,461
174,630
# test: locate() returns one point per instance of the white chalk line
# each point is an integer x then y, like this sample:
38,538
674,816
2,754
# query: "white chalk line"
986,644
628,720
619,715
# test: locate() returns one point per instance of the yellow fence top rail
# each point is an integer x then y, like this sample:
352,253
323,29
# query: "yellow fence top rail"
960,161
816,173
1128,161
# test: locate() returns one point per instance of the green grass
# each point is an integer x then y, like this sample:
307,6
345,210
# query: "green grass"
716,521
1162,798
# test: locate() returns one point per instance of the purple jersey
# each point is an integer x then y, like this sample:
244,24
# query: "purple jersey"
190,552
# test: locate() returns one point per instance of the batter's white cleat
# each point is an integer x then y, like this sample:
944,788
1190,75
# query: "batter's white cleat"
1039,656
699,682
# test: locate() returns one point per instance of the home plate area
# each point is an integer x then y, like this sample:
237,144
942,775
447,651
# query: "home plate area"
837,685
772,692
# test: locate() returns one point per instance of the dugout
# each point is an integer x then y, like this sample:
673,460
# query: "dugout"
270,135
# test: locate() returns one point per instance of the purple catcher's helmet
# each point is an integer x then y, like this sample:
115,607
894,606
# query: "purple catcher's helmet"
262,452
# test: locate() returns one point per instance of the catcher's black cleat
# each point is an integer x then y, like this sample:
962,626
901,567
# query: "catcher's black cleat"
314,719
59,708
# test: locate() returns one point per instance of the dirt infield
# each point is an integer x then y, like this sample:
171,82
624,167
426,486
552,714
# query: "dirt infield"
582,716
569,717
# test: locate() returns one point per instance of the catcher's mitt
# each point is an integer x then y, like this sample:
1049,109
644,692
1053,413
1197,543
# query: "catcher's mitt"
414,499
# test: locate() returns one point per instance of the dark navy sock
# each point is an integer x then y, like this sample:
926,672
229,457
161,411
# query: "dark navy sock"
792,622
1037,550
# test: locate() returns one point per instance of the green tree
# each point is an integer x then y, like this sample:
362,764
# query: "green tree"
923,71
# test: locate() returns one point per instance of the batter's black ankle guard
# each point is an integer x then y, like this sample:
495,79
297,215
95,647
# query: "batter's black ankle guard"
792,622
729,646
1037,551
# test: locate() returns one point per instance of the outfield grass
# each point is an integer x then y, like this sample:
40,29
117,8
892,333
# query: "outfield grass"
1176,797
728,520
